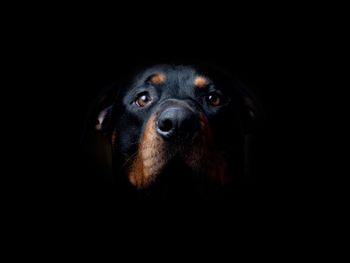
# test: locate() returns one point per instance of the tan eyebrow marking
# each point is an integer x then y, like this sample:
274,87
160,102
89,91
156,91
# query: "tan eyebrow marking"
158,78
200,82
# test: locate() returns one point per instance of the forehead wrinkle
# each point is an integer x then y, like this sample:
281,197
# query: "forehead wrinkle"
184,75
179,78
180,84
142,76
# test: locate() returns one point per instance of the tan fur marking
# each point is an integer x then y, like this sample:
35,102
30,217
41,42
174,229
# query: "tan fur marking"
151,157
114,139
200,82
203,155
153,154
158,79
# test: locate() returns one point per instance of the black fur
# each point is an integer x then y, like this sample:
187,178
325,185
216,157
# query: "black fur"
230,123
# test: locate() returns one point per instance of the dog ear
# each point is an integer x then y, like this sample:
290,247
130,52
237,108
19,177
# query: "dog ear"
251,110
103,118
249,114
105,122
98,137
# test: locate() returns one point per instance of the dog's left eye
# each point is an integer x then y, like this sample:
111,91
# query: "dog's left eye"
214,99
143,99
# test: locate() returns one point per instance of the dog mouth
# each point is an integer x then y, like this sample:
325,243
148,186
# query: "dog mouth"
157,157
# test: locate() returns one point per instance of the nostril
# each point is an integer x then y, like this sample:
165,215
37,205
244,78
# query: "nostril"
165,125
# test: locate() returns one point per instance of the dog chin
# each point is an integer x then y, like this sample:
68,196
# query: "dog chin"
156,163
174,173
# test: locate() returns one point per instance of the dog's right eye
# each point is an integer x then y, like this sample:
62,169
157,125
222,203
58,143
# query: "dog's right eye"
143,99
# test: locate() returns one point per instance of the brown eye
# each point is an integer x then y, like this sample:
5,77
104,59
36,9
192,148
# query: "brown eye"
142,100
214,99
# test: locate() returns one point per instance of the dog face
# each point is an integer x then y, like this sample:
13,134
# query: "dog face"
180,120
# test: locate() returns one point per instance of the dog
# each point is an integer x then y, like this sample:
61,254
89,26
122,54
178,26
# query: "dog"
173,130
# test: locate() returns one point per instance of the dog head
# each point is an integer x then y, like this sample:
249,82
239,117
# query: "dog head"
176,120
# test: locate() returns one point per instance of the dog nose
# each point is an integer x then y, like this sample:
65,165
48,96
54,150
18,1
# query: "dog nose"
177,121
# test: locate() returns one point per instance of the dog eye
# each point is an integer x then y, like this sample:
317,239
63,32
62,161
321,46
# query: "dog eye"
214,99
143,99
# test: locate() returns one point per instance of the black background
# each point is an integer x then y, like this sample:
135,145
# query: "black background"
63,56
275,56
